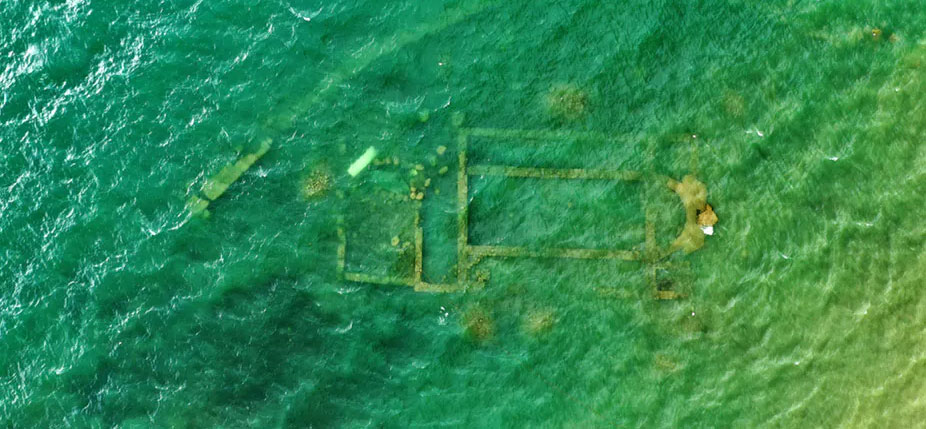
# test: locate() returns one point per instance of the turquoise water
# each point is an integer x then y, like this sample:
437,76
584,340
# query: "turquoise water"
118,308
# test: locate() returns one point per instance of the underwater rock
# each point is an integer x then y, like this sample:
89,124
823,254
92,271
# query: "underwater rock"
880,35
316,185
734,104
539,321
694,198
478,324
693,325
706,220
707,217
665,364
567,102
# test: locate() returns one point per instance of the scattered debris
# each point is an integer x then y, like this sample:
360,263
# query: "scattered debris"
362,162
414,194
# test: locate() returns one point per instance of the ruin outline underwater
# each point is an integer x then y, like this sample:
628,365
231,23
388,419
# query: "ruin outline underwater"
655,261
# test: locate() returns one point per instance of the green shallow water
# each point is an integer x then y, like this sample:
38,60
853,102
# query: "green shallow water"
806,308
